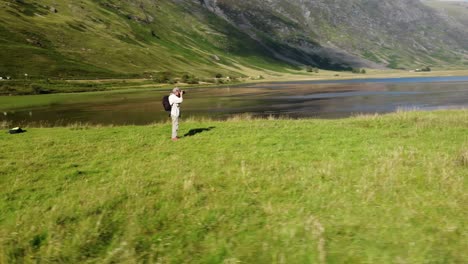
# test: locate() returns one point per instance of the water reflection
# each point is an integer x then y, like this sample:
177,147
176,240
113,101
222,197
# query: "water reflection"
293,99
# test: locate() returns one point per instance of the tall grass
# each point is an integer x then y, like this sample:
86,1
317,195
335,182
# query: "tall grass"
369,189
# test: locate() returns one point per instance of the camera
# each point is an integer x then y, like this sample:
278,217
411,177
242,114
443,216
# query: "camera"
182,91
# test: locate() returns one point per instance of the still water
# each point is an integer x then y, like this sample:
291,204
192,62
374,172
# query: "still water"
301,99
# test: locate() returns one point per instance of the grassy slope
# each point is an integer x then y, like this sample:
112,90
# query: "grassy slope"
380,189
88,39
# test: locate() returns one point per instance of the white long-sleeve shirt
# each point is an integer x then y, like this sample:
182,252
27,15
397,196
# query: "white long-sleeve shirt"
175,101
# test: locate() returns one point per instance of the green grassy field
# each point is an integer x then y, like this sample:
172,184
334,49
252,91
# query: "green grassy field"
369,189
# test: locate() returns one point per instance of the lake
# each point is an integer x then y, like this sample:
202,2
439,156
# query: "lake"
300,99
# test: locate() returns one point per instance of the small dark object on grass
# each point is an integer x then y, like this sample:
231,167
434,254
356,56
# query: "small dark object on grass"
16,130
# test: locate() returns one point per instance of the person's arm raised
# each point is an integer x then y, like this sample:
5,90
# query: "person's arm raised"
174,99
178,100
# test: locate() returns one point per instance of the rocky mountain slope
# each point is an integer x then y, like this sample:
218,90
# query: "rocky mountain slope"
395,33
130,38
453,10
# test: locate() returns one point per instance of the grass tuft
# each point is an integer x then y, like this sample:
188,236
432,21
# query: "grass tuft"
463,157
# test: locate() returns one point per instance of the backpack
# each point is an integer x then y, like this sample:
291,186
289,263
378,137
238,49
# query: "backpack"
16,130
165,102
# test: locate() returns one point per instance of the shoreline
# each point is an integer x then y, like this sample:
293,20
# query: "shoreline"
267,78
17,102
372,74
244,117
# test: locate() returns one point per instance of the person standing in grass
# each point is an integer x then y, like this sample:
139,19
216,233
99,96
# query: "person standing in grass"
175,99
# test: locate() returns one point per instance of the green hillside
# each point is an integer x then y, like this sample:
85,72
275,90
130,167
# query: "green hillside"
121,38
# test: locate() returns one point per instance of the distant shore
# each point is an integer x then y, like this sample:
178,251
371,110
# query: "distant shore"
86,90
39,86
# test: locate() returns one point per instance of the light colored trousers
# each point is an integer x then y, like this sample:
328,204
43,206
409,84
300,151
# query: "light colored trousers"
175,125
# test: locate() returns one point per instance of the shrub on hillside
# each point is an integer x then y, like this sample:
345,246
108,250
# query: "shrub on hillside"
358,70
7,89
37,89
190,79
312,69
185,78
163,77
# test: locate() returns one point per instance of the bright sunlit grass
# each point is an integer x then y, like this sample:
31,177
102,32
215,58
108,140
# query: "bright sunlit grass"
369,189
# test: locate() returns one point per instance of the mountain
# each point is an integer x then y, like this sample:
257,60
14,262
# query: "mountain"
134,38
395,33
456,11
